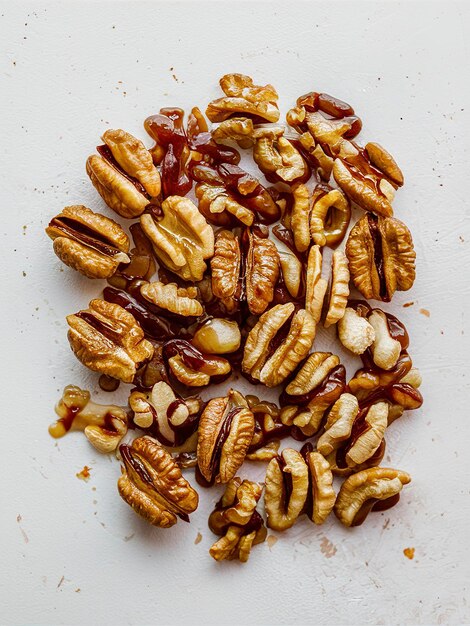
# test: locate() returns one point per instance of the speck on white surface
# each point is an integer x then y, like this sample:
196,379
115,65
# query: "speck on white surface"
73,552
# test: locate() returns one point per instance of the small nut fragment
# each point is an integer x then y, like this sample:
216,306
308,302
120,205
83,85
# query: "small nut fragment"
104,425
355,332
217,336
291,268
338,424
235,518
277,157
239,129
215,203
226,429
339,289
191,366
181,239
262,272
108,339
367,433
381,257
322,495
152,484
173,298
170,419
265,453
300,217
376,488
88,242
124,175
272,368
286,489
243,97
330,215
316,286
385,350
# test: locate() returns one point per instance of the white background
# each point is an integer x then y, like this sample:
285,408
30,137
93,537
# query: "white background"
73,552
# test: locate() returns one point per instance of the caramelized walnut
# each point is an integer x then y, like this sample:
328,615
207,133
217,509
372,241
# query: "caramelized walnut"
385,349
226,429
268,361
237,521
152,484
377,488
219,206
355,332
88,242
277,157
181,238
381,256
329,217
124,175
300,217
316,286
225,266
321,497
367,434
339,291
172,298
191,367
262,272
243,97
104,425
339,424
107,339
292,272
217,336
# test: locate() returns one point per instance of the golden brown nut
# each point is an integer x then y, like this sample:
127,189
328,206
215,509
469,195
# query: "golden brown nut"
339,423
170,419
265,453
316,286
330,215
235,518
181,239
104,425
173,298
286,489
367,434
300,217
374,488
243,97
152,484
215,202
277,157
239,129
384,162
381,257
355,332
291,269
339,292
272,368
108,339
322,495
217,336
226,429
192,377
262,272
385,349
124,175
88,242
225,266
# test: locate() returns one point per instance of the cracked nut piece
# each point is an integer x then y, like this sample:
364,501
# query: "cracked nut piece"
124,174
181,238
88,242
272,366
339,289
316,286
292,270
374,489
239,129
217,336
225,267
104,425
277,157
367,434
217,204
152,484
385,349
329,217
381,257
237,521
339,424
165,416
355,332
262,272
226,429
108,339
321,497
300,217
173,298
192,367
242,97
287,484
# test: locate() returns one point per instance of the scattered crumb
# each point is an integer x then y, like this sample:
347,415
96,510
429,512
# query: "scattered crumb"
61,581
425,312
409,553
271,541
84,474
24,273
93,488
386,523
327,547
25,536
461,238
77,590
407,304
198,539
24,229
128,537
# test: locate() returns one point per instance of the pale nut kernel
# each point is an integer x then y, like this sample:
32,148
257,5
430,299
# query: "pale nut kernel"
330,215
217,336
262,272
173,298
88,242
291,269
107,339
376,421
300,216
355,332
181,239
312,373
360,492
104,425
385,350
266,452
225,265
339,289
339,423
283,506
321,486
316,286
152,484
226,429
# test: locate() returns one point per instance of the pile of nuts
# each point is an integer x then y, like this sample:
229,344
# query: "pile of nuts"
225,275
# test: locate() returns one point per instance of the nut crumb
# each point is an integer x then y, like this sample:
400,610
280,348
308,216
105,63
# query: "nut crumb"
425,312
407,304
271,541
60,582
198,539
327,547
77,590
409,553
84,474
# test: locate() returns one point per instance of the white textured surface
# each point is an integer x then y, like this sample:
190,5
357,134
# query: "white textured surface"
72,551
